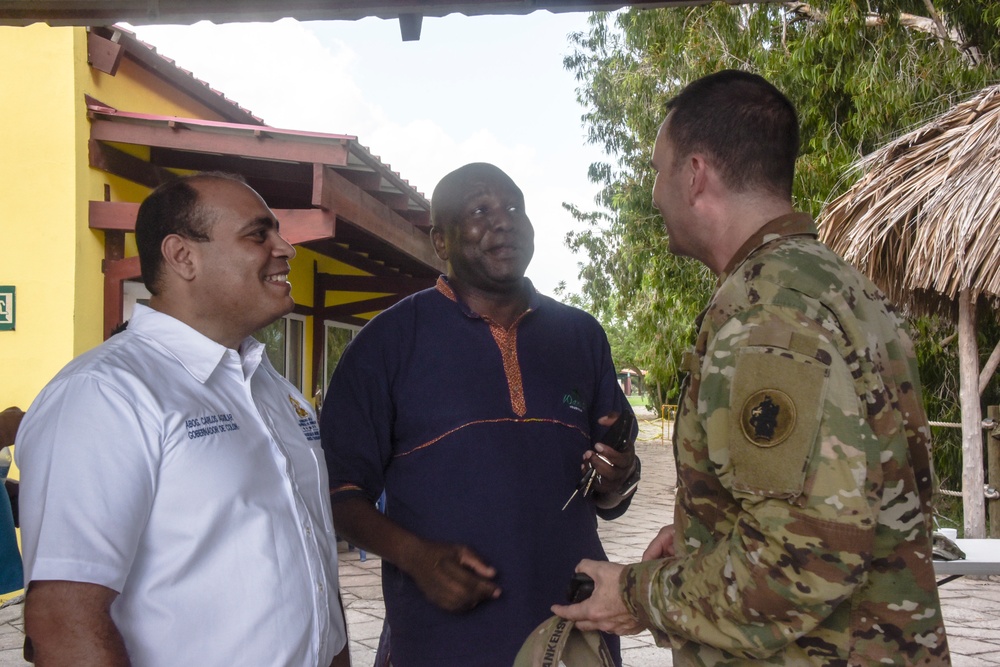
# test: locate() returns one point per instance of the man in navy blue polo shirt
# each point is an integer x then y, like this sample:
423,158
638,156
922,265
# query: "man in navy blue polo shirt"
475,405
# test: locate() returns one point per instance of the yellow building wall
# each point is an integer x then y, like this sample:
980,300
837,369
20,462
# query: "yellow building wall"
134,89
49,253
38,205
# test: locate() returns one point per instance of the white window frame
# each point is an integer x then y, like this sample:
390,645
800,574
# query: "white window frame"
302,351
133,291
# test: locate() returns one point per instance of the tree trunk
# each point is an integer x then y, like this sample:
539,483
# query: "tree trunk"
972,418
989,369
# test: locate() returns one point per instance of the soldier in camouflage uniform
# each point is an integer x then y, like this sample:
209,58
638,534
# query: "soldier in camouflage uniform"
803,513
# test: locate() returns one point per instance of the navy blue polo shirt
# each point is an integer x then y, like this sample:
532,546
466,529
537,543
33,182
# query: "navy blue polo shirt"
476,434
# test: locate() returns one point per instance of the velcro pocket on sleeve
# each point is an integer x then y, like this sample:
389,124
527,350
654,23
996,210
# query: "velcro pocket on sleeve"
775,411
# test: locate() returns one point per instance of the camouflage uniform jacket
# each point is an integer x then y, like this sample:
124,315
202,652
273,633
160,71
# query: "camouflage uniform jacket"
803,512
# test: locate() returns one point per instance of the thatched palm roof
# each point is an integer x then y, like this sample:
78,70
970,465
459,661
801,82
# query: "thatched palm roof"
924,220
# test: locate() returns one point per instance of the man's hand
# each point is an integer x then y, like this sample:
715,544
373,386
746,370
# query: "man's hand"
612,466
604,609
343,659
452,576
662,545
10,420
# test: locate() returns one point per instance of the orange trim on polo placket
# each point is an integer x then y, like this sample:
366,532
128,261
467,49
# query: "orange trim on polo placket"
442,286
506,340
502,420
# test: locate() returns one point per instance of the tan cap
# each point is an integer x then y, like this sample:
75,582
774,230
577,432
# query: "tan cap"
557,642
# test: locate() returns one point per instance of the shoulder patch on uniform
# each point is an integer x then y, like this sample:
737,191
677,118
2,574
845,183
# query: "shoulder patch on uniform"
768,417
776,401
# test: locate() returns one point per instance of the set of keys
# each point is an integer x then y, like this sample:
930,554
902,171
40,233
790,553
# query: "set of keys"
616,438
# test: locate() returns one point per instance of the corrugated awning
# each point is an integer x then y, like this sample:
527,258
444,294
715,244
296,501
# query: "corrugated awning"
329,192
320,175
409,12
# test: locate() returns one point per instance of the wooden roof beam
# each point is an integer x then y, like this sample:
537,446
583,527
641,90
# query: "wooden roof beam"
250,169
297,225
116,272
397,201
372,181
399,285
104,54
369,181
359,261
332,192
341,311
118,162
301,225
418,217
183,135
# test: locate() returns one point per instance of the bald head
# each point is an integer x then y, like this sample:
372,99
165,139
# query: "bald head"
452,190
479,226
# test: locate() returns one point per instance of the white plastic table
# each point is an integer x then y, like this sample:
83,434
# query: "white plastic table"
981,557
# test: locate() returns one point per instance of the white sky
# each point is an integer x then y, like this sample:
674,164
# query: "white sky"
489,89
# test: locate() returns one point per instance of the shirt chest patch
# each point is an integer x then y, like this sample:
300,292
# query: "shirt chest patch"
214,424
310,429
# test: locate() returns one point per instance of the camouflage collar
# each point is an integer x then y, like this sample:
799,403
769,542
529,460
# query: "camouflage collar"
793,224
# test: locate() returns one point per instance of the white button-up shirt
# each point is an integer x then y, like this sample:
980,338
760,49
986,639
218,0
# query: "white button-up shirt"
189,478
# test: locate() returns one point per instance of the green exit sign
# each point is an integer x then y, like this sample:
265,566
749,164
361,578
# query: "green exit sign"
7,309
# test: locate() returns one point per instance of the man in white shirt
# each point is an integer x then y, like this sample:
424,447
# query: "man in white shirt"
175,495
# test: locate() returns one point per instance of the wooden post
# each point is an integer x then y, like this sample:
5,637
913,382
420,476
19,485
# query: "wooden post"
973,500
318,335
993,459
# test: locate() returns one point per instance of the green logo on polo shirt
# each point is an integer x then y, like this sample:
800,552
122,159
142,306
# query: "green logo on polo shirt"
573,400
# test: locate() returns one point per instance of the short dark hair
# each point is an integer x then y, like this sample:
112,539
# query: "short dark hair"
747,126
453,186
172,208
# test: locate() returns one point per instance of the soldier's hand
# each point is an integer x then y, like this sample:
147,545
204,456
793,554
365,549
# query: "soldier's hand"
662,545
452,576
604,609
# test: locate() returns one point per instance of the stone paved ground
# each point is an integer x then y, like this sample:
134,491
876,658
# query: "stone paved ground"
971,606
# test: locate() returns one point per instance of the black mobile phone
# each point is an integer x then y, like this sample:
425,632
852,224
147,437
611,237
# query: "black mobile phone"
618,435
581,587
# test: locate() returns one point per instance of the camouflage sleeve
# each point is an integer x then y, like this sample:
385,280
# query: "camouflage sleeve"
789,534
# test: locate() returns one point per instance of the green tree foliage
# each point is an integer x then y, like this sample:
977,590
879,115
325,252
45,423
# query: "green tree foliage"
860,73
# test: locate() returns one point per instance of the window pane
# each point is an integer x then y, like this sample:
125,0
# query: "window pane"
273,338
337,339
